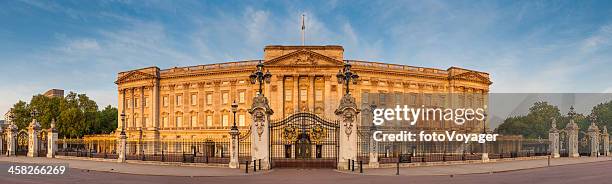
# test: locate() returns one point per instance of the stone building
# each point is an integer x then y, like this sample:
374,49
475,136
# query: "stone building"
194,101
54,93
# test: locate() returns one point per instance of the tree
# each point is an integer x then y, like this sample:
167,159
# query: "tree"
534,125
603,112
107,120
21,114
76,114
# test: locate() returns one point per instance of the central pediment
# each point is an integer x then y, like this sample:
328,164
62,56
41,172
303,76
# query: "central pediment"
303,58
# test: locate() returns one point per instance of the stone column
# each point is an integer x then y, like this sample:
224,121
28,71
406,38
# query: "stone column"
234,146
593,132
373,149
347,114
553,137
51,140
260,137
33,130
12,137
605,141
121,148
572,135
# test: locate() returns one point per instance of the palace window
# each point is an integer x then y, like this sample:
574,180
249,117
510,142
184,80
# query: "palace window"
194,120
319,95
165,121
303,95
241,120
194,99
225,120
209,99
165,101
382,98
209,121
145,121
179,121
179,100
288,95
225,97
241,97
413,99
129,105
398,98
136,103
146,102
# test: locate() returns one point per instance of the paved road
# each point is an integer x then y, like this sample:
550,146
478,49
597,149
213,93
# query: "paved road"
592,173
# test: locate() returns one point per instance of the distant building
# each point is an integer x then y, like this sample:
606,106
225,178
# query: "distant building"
54,93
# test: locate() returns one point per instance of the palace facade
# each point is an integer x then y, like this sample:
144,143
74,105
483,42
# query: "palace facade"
194,102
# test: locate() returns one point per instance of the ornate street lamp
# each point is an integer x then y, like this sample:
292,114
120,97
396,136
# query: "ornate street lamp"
34,113
259,76
234,110
11,116
122,123
346,76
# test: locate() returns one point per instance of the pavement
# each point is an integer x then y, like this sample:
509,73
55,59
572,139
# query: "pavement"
132,168
172,170
591,173
479,168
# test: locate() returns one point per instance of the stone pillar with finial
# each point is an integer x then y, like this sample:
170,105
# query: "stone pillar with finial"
347,113
572,134
593,133
52,140
33,130
553,137
260,113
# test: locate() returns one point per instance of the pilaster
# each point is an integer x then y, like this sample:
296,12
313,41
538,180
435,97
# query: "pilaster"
33,130
553,137
347,114
51,140
260,139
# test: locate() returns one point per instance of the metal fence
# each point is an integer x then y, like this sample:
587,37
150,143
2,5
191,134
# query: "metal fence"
244,147
409,152
186,151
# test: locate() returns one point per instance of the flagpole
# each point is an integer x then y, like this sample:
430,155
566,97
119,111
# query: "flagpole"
303,31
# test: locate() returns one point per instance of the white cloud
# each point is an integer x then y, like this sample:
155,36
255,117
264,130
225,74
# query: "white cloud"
82,45
601,38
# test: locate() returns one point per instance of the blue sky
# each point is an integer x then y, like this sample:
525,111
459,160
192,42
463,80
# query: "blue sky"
527,46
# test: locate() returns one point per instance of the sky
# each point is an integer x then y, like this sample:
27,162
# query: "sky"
80,46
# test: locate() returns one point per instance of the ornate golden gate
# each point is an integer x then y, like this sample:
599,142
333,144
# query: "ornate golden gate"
304,140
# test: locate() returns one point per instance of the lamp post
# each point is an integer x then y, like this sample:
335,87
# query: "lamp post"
34,113
122,123
122,141
346,76
11,116
234,144
485,153
258,76
234,110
